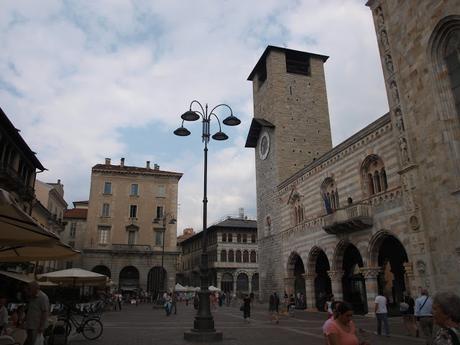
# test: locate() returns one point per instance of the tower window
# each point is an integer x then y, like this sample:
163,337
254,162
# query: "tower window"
297,62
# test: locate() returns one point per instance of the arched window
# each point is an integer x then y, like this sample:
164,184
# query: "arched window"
330,195
374,177
223,256
452,61
245,238
245,256
231,256
238,256
253,238
238,238
224,237
253,256
230,237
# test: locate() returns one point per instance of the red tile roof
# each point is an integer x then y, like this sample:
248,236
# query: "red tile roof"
79,213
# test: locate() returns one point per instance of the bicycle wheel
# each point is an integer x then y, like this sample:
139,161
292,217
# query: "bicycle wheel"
92,329
67,325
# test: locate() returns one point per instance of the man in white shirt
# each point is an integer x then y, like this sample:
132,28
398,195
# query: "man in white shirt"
423,313
381,312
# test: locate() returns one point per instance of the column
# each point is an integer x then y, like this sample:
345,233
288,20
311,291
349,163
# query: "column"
250,283
372,288
234,283
336,283
310,296
410,279
219,280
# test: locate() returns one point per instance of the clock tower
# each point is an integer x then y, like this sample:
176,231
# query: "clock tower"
290,129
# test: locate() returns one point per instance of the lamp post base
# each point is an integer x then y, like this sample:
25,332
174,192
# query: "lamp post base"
200,336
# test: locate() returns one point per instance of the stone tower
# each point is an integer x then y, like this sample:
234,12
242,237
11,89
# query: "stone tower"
290,129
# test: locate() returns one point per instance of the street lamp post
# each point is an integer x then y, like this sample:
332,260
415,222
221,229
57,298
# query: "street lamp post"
203,329
164,221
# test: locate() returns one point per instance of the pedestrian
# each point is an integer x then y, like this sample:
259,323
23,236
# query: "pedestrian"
381,313
3,315
424,315
174,302
37,313
342,330
328,306
446,315
273,305
246,308
330,320
196,301
406,308
119,300
167,303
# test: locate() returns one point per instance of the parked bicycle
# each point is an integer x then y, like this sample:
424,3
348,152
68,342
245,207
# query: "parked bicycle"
89,325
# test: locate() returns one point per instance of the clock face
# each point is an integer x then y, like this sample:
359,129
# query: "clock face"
264,145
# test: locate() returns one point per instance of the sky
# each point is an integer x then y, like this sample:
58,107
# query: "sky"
85,80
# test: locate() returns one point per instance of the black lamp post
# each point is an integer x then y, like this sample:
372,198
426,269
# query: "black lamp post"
203,329
164,221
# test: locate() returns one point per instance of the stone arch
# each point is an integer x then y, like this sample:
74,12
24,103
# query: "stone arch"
102,269
242,282
446,103
318,265
295,283
129,279
388,253
373,175
156,280
226,283
348,260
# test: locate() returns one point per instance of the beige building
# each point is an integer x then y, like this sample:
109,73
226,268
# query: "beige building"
75,230
232,256
380,210
131,231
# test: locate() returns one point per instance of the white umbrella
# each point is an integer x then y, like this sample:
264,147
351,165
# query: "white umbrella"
75,276
17,227
179,288
213,288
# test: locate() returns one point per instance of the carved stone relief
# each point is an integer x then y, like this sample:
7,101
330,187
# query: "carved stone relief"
384,40
389,64
421,267
399,120
394,92
404,150
380,18
414,223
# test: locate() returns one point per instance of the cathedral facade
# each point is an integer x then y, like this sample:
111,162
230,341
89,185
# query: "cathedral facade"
378,212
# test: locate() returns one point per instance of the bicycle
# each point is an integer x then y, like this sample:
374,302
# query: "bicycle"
90,325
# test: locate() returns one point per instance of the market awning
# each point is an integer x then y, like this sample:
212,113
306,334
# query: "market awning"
75,276
17,227
55,250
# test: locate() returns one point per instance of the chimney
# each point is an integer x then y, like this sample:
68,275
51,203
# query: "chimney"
59,181
241,212
122,162
156,167
107,161
148,165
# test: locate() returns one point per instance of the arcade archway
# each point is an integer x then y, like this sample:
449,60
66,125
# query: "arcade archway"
323,286
102,269
129,279
156,281
296,270
353,284
242,283
226,283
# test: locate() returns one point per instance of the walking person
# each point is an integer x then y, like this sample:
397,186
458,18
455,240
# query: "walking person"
407,311
381,313
424,315
174,302
273,305
342,330
446,315
328,306
37,313
246,308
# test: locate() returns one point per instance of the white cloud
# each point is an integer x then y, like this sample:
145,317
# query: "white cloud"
72,74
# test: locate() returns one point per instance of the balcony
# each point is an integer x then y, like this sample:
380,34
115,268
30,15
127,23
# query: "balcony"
352,218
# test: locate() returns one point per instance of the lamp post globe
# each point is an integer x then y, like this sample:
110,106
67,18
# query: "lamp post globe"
203,326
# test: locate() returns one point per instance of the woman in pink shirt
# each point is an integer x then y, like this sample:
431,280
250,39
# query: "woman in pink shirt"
342,330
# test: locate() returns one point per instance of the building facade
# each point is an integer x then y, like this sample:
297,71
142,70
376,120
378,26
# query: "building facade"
378,211
75,230
131,231
232,256
18,165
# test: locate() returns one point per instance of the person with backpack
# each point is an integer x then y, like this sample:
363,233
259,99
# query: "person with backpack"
446,315
406,308
273,307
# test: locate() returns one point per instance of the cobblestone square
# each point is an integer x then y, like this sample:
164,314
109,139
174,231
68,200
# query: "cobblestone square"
144,325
